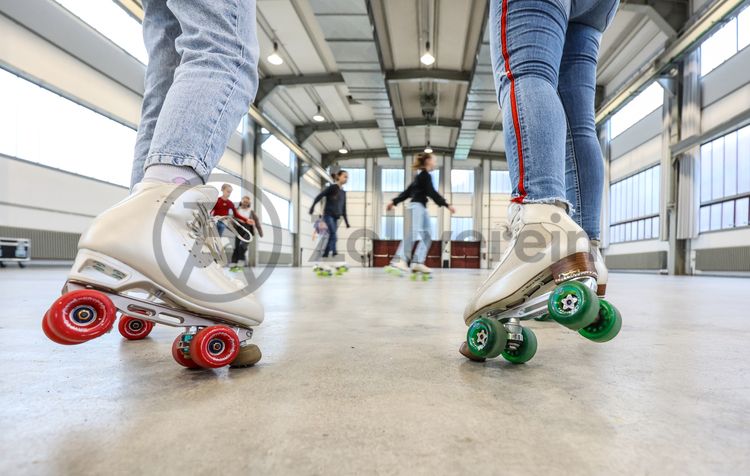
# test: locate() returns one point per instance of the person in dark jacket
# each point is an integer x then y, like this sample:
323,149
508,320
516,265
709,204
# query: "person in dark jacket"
418,191
251,224
335,208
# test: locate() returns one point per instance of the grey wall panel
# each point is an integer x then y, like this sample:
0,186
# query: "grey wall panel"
723,259
655,261
46,245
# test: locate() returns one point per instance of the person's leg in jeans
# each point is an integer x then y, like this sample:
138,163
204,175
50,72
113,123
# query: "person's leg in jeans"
160,30
212,88
527,40
332,225
421,221
404,251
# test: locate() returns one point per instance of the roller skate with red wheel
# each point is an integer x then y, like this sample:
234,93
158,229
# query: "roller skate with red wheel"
155,257
549,269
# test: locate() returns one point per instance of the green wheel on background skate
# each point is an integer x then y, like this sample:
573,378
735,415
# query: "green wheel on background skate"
606,326
525,351
486,338
574,305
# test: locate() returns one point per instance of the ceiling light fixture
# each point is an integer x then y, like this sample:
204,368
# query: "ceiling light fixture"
274,57
318,117
343,149
428,149
427,59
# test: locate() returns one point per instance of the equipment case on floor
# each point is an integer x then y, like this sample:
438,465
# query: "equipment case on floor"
16,250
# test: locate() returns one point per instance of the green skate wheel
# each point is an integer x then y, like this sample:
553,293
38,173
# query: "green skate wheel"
573,304
486,338
525,351
606,326
413,276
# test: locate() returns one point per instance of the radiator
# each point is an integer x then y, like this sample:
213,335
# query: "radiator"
46,245
722,259
654,261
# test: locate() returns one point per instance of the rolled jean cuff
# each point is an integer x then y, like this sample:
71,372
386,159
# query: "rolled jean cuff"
559,201
181,161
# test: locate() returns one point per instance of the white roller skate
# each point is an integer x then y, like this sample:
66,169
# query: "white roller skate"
397,268
155,257
547,269
420,271
324,270
602,274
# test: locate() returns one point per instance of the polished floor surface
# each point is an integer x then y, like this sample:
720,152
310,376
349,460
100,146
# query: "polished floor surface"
361,376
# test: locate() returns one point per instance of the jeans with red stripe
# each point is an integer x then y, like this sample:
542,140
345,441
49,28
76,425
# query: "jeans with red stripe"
544,55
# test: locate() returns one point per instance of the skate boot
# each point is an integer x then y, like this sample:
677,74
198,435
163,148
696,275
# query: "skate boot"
602,274
155,257
341,269
397,268
420,271
548,268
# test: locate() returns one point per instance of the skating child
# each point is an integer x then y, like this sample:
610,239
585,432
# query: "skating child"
335,209
418,191
250,224
223,207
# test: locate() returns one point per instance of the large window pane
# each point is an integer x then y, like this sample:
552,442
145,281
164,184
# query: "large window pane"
719,47
113,22
743,29
40,126
356,182
392,180
743,159
462,228
435,174
639,107
705,219
717,169
500,181
730,164
392,227
741,212
462,181
277,150
280,208
706,153
715,217
727,214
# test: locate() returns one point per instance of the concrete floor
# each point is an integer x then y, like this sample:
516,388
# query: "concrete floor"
361,375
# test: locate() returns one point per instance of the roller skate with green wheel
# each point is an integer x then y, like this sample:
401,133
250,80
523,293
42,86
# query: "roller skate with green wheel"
341,269
397,268
420,272
547,272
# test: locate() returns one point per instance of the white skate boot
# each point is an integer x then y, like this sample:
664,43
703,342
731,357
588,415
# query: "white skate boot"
420,271
156,257
397,268
548,268
602,274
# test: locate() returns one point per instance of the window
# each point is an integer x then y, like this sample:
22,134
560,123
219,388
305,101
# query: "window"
462,228
434,228
646,102
725,181
76,139
634,207
277,150
356,182
725,42
281,208
392,180
462,181
113,22
435,174
391,227
500,181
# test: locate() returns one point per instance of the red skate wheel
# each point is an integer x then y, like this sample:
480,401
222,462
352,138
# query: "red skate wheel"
133,328
179,355
81,315
54,337
214,347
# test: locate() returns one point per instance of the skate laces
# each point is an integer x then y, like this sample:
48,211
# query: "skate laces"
203,229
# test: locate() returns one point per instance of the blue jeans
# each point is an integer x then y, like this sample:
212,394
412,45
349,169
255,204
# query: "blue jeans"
419,231
544,55
201,77
332,224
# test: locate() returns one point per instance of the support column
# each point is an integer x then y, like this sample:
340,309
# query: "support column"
257,182
296,196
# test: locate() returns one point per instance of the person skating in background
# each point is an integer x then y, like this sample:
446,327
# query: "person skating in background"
223,207
201,77
420,189
250,225
334,210
544,58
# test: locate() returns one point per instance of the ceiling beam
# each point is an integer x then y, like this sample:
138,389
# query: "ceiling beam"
268,84
669,15
305,131
438,75
331,157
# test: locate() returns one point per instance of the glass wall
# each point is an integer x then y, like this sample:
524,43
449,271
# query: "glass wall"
634,207
113,22
40,126
725,181
277,150
391,227
462,181
392,180
462,228
725,42
281,207
356,182
639,107
500,181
